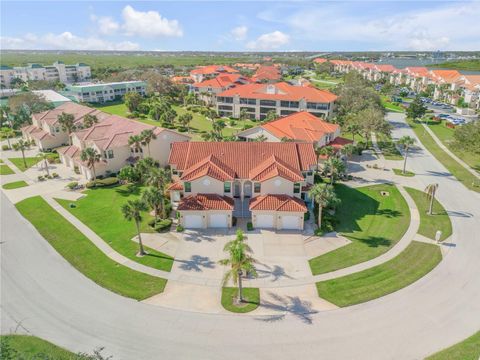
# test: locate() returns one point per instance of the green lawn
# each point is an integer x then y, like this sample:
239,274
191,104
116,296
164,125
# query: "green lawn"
100,210
15,185
373,222
468,349
250,295
429,224
457,170
31,347
445,135
84,255
6,170
390,151
18,162
417,260
389,106
472,65
400,172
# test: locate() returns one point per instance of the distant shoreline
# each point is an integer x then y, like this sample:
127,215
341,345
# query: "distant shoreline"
469,65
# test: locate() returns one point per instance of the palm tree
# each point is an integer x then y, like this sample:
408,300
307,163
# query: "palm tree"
348,151
90,156
241,262
135,141
430,191
8,133
353,129
218,126
154,198
324,195
158,177
185,120
132,210
328,151
67,121
89,120
44,157
335,167
147,136
406,142
22,145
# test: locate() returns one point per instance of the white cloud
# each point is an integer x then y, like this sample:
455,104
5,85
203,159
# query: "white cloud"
239,33
106,25
63,41
269,41
149,24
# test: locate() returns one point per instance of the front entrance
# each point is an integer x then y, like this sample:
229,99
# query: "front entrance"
236,189
247,189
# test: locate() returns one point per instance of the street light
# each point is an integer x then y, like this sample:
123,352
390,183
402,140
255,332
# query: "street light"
438,235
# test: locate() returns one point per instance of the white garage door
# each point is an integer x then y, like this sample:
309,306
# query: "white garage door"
265,221
193,221
290,222
218,221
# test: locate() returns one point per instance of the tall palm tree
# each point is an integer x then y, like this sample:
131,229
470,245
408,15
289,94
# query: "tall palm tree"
218,126
324,195
89,120
67,121
159,177
406,142
44,157
135,141
132,210
90,156
185,120
430,191
334,167
147,136
353,129
22,145
240,261
154,198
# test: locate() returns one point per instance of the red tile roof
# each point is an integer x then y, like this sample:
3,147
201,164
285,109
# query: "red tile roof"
213,69
176,186
273,167
277,203
340,142
280,91
419,71
238,159
301,126
447,76
267,73
320,60
79,111
206,202
385,67
223,81
36,132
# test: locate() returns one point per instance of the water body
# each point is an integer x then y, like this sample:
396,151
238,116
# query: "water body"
402,63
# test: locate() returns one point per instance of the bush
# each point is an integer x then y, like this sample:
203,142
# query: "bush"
40,178
55,175
109,181
5,147
306,217
151,223
318,232
180,228
90,184
72,205
76,170
249,226
72,185
163,225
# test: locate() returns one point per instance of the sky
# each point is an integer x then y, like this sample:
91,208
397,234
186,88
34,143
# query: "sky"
241,26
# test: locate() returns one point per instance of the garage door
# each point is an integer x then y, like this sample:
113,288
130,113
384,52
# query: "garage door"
290,222
193,221
218,221
264,221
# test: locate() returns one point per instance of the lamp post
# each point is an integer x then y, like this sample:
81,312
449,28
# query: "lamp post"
438,235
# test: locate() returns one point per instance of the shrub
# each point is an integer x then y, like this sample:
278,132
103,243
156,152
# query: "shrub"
72,185
306,217
90,184
76,170
109,181
249,226
151,223
318,232
163,225
40,178
180,228
72,205
5,147
55,175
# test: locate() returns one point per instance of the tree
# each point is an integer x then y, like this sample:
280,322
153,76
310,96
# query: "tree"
218,126
147,136
324,195
44,157
168,116
416,109
354,129
467,137
156,109
154,198
133,101
129,174
22,145
7,133
406,142
135,141
89,120
348,150
334,167
430,191
144,167
371,120
185,120
17,83
260,138
90,156
240,261
271,115
244,114
327,151
5,115
159,177
33,102
67,121
132,210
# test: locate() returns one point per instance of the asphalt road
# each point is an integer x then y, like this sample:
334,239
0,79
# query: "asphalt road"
42,294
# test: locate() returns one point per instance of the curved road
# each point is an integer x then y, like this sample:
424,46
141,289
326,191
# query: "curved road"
44,295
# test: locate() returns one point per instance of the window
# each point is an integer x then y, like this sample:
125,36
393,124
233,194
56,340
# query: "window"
318,106
110,154
227,187
296,188
225,107
257,187
228,100
187,186
268,103
310,173
289,104
248,101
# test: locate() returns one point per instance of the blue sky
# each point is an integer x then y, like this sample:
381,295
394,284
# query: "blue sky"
241,26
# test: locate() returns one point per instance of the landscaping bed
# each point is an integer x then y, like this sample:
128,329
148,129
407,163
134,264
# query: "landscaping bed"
79,251
417,260
250,295
15,185
18,162
373,222
6,170
400,173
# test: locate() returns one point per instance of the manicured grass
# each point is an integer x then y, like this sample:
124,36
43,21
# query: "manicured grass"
468,349
429,224
18,162
389,150
457,170
31,347
417,260
389,106
445,135
251,299
5,170
101,211
373,222
15,185
400,172
84,255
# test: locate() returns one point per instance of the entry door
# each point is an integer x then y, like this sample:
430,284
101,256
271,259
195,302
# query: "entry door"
236,189
247,189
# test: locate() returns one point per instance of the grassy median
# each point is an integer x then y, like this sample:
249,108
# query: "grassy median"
31,347
468,349
6,170
30,161
417,260
373,222
250,295
14,185
84,255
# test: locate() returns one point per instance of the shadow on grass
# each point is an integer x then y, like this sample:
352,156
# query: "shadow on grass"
158,256
373,241
128,190
389,213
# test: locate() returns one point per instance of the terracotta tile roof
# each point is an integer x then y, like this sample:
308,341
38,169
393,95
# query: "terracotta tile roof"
211,166
470,82
418,71
176,186
447,76
240,157
267,73
213,69
320,60
385,67
277,203
79,111
206,202
273,167
36,132
340,142
301,126
70,151
223,81
280,91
